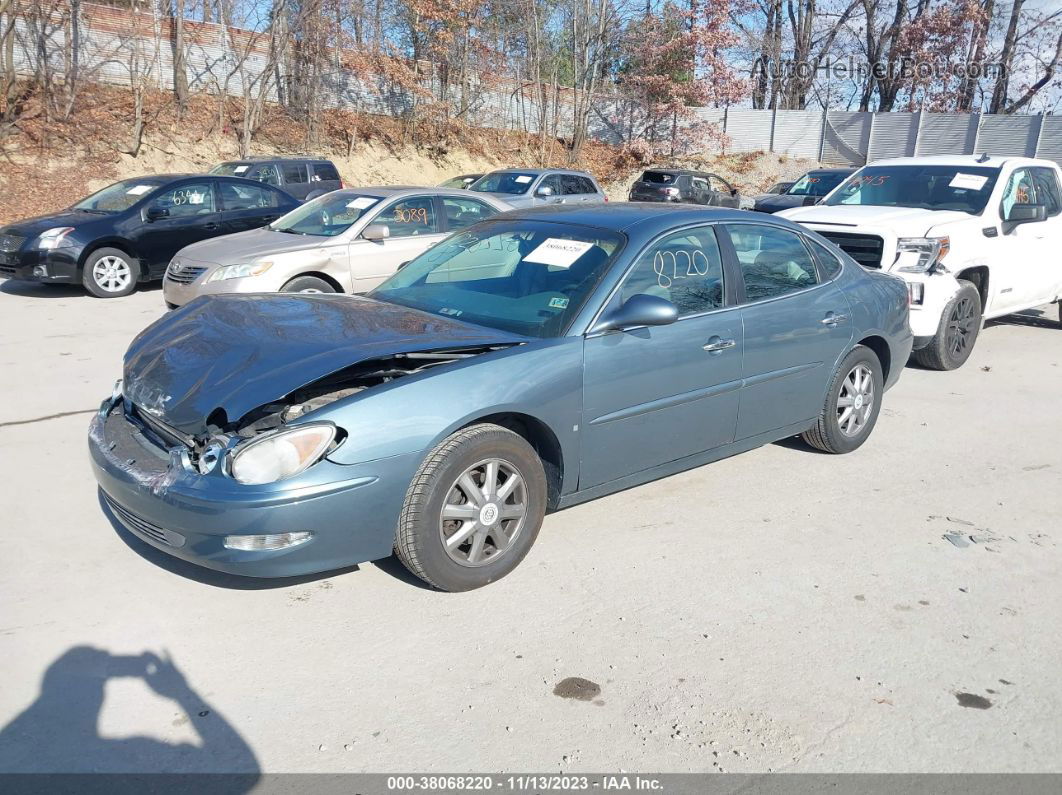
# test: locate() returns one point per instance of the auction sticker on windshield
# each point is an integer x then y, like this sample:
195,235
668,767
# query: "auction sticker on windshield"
137,190
558,252
967,181
523,179
362,202
239,169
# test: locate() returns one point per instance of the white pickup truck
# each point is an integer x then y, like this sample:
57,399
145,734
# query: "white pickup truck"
974,238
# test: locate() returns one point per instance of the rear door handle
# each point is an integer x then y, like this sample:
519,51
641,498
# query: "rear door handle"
716,344
211,225
833,319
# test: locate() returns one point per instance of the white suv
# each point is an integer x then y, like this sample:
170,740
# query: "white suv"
973,237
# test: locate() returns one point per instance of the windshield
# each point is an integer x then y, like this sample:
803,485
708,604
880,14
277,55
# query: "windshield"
521,276
963,188
117,197
231,169
326,216
509,182
816,184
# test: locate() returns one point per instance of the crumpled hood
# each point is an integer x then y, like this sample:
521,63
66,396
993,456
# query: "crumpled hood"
238,352
246,246
903,221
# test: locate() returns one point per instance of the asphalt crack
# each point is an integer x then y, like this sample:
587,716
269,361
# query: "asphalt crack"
60,415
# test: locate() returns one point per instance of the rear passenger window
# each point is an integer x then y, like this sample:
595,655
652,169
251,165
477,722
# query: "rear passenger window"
325,172
587,185
465,212
571,185
247,197
831,264
411,217
294,172
266,174
773,261
683,267
1047,189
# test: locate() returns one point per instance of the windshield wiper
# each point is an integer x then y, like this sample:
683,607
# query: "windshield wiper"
95,212
287,231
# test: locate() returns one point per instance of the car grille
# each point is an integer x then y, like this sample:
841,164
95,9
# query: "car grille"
9,243
143,526
864,249
4,271
184,274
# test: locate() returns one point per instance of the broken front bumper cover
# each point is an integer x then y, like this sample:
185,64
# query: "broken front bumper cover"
351,511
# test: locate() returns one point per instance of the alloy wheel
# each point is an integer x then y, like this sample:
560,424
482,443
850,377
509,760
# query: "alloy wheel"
484,513
855,401
960,327
112,274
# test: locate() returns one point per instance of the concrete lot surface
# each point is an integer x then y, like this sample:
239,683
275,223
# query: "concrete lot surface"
781,610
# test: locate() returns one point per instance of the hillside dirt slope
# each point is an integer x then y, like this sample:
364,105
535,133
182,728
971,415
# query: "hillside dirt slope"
46,165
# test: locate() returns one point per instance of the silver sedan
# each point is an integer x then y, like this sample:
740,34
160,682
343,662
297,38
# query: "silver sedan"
345,241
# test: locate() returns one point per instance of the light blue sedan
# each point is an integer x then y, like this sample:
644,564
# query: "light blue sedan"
531,362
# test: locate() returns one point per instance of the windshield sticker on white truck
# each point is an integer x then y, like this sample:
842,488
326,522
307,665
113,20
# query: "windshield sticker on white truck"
239,169
362,202
138,190
523,179
558,252
967,181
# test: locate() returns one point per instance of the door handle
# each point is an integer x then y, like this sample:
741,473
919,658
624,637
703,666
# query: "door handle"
833,319
211,225
715,344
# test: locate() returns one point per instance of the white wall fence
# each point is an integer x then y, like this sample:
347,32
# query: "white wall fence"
854,139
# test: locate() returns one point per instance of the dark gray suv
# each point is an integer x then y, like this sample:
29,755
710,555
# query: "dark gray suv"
303,177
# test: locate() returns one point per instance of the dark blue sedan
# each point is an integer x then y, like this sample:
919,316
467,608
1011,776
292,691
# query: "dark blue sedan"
531,362
127,232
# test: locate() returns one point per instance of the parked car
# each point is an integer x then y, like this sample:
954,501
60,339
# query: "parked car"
304,178
682,185
528,363
974,237
347,241
806,191
531,187
128,232
460,182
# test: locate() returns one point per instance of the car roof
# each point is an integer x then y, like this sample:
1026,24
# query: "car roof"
828,171
390,191
278,158
626,216
538,171
993,161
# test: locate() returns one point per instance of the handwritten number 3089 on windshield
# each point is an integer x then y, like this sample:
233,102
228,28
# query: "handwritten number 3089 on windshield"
411,215
672,265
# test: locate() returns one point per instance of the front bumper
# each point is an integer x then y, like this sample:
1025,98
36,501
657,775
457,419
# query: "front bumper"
935,290
177,294
53,266
351,510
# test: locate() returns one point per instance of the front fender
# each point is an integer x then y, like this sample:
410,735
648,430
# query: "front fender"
541,379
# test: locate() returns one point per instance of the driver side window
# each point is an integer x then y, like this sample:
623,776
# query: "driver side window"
411,217
683,267
187,200
1020,190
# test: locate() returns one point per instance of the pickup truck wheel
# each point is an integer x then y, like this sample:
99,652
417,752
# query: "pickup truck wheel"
473,509
852,404
307,284
960,323
110,273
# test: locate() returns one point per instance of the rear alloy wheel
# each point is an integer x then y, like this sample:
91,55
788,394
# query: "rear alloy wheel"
110,273
852,404
960,323
473,510
307,284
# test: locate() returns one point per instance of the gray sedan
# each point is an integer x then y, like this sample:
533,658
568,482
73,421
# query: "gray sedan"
535,187
529,363
347,241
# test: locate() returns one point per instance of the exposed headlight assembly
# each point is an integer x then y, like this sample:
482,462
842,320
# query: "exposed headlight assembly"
53,238
239,271
928,250
282,454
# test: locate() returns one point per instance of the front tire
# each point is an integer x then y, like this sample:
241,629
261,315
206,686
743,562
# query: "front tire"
852,404
307,284
960,323
110,273
473,509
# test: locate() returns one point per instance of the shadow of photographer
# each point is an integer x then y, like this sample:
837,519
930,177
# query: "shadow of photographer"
58,732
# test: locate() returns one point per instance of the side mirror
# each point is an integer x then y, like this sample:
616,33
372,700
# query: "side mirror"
156,213
376,232
639,310
1024,214
545,190
733,191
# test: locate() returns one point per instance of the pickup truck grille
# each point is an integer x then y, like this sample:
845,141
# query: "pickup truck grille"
864,249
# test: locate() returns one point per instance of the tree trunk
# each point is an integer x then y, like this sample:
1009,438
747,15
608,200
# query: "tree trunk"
180,71
1006,60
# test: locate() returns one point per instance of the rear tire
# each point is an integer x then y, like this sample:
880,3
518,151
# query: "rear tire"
307,284
466,521
846,420
960,323
110,273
